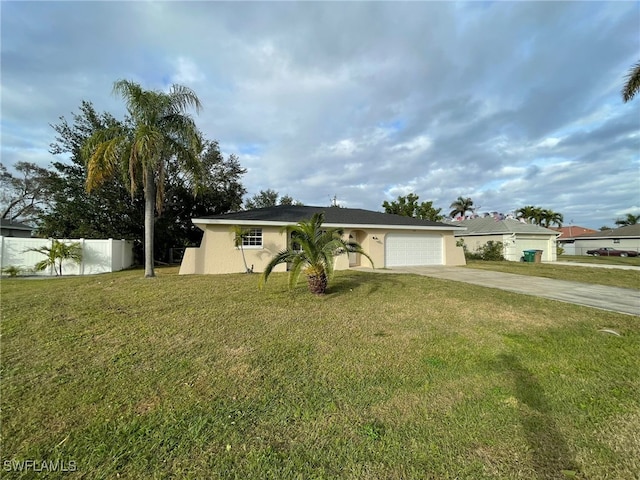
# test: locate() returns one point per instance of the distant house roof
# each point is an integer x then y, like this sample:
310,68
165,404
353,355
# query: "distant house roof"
10,224
630,231
572,231
333,216
492,226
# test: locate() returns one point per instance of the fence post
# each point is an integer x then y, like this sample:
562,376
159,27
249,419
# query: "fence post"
2,251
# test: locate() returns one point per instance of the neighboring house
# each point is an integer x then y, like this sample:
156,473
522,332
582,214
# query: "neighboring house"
566,240
623,238
516,237
9,228
390,240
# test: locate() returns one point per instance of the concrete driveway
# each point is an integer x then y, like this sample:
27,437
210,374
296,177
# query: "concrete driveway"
622,300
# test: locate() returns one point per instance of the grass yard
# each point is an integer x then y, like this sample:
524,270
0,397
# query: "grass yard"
603,260
385,377
613,277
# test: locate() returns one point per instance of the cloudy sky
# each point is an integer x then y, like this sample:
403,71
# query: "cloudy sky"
509,103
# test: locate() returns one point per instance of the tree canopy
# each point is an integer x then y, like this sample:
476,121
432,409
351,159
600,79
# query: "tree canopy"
540,216
269,198
158,129
629,219
408,206
110,211
24,195
461,206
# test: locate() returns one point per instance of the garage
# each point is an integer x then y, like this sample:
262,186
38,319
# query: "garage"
403,250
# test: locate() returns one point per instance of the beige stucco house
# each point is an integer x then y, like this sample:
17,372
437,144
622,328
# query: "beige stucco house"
390,240
515,236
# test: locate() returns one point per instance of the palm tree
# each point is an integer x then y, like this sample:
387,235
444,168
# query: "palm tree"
56,254
158,129
632,86
630,219
239,233
461,206
312,251
528,212
549,217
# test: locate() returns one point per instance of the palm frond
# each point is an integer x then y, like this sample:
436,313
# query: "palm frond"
632,85
283,256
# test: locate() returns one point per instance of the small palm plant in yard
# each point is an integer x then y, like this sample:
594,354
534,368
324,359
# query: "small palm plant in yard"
58,253
313,251
239,234
12,270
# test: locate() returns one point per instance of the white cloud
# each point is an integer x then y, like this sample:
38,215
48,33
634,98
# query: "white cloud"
187,72
510,103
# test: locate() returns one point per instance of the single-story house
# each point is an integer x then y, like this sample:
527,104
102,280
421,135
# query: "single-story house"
566,240
623,238
515,236
9,228
390,240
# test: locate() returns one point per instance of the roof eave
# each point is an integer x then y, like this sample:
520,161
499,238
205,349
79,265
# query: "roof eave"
272,223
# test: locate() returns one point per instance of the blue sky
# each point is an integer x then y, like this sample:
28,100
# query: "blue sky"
509,103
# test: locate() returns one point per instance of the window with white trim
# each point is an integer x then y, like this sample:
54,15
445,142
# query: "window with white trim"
253,238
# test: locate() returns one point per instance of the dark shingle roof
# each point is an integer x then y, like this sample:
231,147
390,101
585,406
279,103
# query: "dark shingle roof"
332,215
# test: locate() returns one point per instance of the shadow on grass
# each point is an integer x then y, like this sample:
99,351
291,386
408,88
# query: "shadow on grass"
371,281
550,453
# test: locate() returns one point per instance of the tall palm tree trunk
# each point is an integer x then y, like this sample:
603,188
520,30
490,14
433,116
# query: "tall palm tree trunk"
149,222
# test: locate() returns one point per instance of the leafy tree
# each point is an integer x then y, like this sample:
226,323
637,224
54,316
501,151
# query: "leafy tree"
23,196
632,85
108,211
312,250
56,254
159,129
630,219
268,198
409,207
461,206
288,200
218,190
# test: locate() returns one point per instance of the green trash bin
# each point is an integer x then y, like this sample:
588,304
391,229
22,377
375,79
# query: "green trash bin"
529,255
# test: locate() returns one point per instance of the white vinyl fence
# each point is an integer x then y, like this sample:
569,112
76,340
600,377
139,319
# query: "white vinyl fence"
98,256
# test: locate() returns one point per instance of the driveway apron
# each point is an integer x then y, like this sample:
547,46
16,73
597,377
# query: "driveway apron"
622,300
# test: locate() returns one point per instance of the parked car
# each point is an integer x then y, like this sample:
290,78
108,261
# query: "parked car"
612,252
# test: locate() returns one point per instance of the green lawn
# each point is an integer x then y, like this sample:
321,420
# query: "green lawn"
604,260
613,277
385,377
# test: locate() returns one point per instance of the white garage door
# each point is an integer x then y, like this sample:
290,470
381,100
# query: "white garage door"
403,250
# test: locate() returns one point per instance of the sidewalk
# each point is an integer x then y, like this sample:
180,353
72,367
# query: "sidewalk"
621,300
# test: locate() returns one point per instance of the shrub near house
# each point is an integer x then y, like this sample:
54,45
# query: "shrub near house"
492,251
